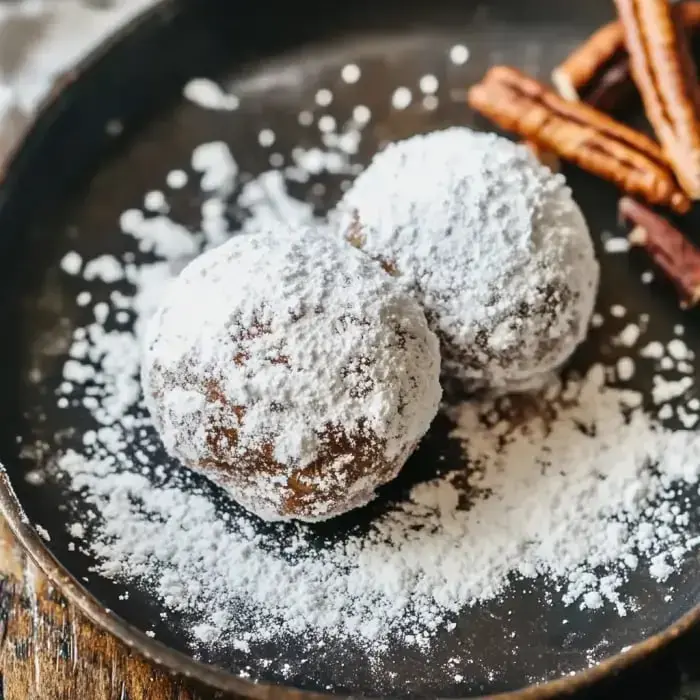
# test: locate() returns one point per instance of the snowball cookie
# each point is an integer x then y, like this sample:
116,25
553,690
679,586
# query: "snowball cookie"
292,371
489,241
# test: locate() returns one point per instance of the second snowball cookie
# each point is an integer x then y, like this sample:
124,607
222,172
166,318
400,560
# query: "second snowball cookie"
489,241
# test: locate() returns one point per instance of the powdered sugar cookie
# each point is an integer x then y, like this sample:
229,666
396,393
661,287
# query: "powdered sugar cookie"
489,241
288,368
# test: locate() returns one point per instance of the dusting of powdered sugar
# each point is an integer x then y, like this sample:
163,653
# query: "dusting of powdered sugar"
491,243
584,500
672,373
304,336
583,493
206,93
533,493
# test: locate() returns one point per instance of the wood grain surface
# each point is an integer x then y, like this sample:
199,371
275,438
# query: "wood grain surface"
48,651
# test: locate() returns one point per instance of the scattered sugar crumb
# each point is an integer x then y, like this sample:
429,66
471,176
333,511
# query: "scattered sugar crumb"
665,390
77,530
660,569
629,335
207,94
266,137
176,179
616,245
618,311
326,123
241,645
654,350
401,98
665,412
155,201
306,118
459,54
625,368
106,268
361,114
324,97
678,350
35,477
71,263
42,532
428,84
350,73
688,420
215,162
114,127
592,601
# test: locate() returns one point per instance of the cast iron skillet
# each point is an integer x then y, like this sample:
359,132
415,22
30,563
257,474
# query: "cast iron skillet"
68,181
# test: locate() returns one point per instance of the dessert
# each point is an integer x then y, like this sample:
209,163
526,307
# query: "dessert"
489,241
292,371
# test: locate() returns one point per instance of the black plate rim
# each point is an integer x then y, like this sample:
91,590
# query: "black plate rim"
160,654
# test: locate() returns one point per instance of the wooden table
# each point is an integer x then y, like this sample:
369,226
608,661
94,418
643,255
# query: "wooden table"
49,651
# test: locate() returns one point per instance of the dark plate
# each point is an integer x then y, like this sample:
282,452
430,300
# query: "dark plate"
70,180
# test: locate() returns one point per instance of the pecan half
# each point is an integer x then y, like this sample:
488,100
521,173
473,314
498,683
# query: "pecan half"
598,71
578,133
665,75
668,248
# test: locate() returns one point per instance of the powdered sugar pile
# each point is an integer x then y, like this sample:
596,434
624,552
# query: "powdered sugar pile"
559,493
492,244
595,481
560,503
316,347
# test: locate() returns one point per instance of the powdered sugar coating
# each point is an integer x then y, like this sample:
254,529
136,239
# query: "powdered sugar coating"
491,243
291,370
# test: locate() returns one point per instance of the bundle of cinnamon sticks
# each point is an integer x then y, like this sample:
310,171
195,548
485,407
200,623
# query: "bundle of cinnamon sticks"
647,49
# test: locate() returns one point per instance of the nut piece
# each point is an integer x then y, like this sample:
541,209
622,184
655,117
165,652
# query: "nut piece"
665,75
578,133
667,247
598,71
